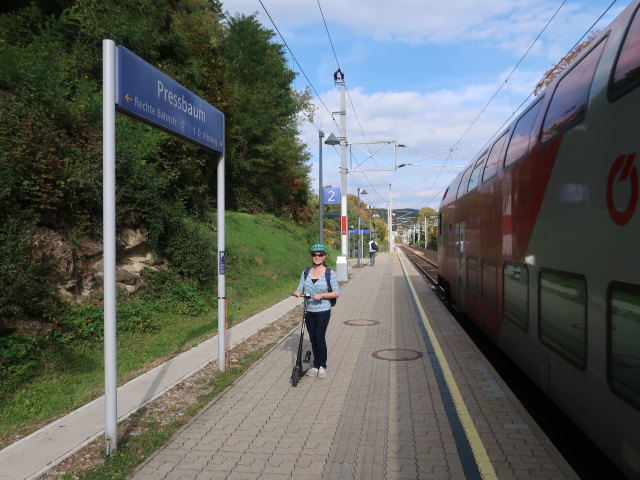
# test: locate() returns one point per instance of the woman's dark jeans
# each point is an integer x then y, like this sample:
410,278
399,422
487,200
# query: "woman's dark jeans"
317,323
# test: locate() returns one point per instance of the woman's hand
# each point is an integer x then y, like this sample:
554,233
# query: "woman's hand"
297,293
318,296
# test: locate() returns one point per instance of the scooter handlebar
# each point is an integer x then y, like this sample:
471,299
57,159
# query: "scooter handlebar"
308,297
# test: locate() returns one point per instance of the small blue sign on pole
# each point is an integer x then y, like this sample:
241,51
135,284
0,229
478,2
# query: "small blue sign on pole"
146,93
221,263
361,231
331,196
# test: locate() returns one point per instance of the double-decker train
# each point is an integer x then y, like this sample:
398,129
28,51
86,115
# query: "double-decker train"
539,241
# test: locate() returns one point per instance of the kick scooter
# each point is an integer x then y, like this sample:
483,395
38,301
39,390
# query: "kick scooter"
302,365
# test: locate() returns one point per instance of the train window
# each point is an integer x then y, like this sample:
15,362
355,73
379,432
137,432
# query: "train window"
516,294
465,181
475,174
472,275
491,168
624,348
626,74
520,139
569,103
563,315
450,194
490,282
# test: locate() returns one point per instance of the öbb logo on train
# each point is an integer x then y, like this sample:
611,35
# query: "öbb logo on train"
623,165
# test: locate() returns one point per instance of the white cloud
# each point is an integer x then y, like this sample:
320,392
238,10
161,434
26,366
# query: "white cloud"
499,23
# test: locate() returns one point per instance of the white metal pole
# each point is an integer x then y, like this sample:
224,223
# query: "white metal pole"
320,207
370,223
109,242
389,222
359,231
343,166
426,234
222,353
342,268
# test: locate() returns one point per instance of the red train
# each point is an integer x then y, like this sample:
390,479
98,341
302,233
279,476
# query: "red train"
539,241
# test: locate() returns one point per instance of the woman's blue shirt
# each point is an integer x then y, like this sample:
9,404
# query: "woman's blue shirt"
309,288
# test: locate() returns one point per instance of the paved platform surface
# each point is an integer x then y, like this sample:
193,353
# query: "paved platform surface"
407,396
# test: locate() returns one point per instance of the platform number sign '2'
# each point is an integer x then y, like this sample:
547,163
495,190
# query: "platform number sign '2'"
331,196
623,171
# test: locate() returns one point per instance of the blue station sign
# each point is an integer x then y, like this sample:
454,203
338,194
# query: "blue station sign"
146,93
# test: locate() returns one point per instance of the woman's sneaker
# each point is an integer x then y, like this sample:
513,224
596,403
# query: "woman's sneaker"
312,372
322,372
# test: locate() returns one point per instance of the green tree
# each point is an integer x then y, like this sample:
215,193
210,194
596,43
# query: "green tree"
268,168
430,215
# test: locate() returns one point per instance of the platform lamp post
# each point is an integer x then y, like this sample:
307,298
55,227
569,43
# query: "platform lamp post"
361,191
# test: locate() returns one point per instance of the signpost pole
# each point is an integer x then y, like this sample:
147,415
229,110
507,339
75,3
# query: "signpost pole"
222,307
109,242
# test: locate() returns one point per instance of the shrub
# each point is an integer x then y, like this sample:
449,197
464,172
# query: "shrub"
20,359
138,317
191,248
181,295
25,291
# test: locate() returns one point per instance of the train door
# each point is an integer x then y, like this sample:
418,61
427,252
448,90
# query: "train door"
459,288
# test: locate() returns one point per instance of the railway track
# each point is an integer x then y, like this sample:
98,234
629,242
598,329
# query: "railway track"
426,262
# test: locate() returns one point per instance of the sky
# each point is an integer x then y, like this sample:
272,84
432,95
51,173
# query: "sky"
440,78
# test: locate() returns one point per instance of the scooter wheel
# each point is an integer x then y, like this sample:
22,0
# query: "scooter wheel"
295,376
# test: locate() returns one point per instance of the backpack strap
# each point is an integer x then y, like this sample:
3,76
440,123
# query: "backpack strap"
305,273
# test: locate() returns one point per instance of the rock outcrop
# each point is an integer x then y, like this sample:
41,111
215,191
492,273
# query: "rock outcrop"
78,265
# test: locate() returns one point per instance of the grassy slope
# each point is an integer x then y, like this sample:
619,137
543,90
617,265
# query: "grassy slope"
265,256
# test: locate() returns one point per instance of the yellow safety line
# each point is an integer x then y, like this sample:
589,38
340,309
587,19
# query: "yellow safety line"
477,447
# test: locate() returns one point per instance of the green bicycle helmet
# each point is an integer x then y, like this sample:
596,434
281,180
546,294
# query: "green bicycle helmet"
318,247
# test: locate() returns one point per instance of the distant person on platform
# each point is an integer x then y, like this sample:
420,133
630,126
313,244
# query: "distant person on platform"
373,249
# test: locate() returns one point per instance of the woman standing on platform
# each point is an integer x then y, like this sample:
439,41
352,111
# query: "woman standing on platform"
321,283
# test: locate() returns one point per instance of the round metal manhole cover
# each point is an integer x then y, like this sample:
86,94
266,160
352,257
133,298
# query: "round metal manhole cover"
397,354
361,322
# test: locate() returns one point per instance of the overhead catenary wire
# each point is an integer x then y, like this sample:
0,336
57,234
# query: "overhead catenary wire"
296,60
353,108
509,76
349,95
328,35
524,102
307,78
508,119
